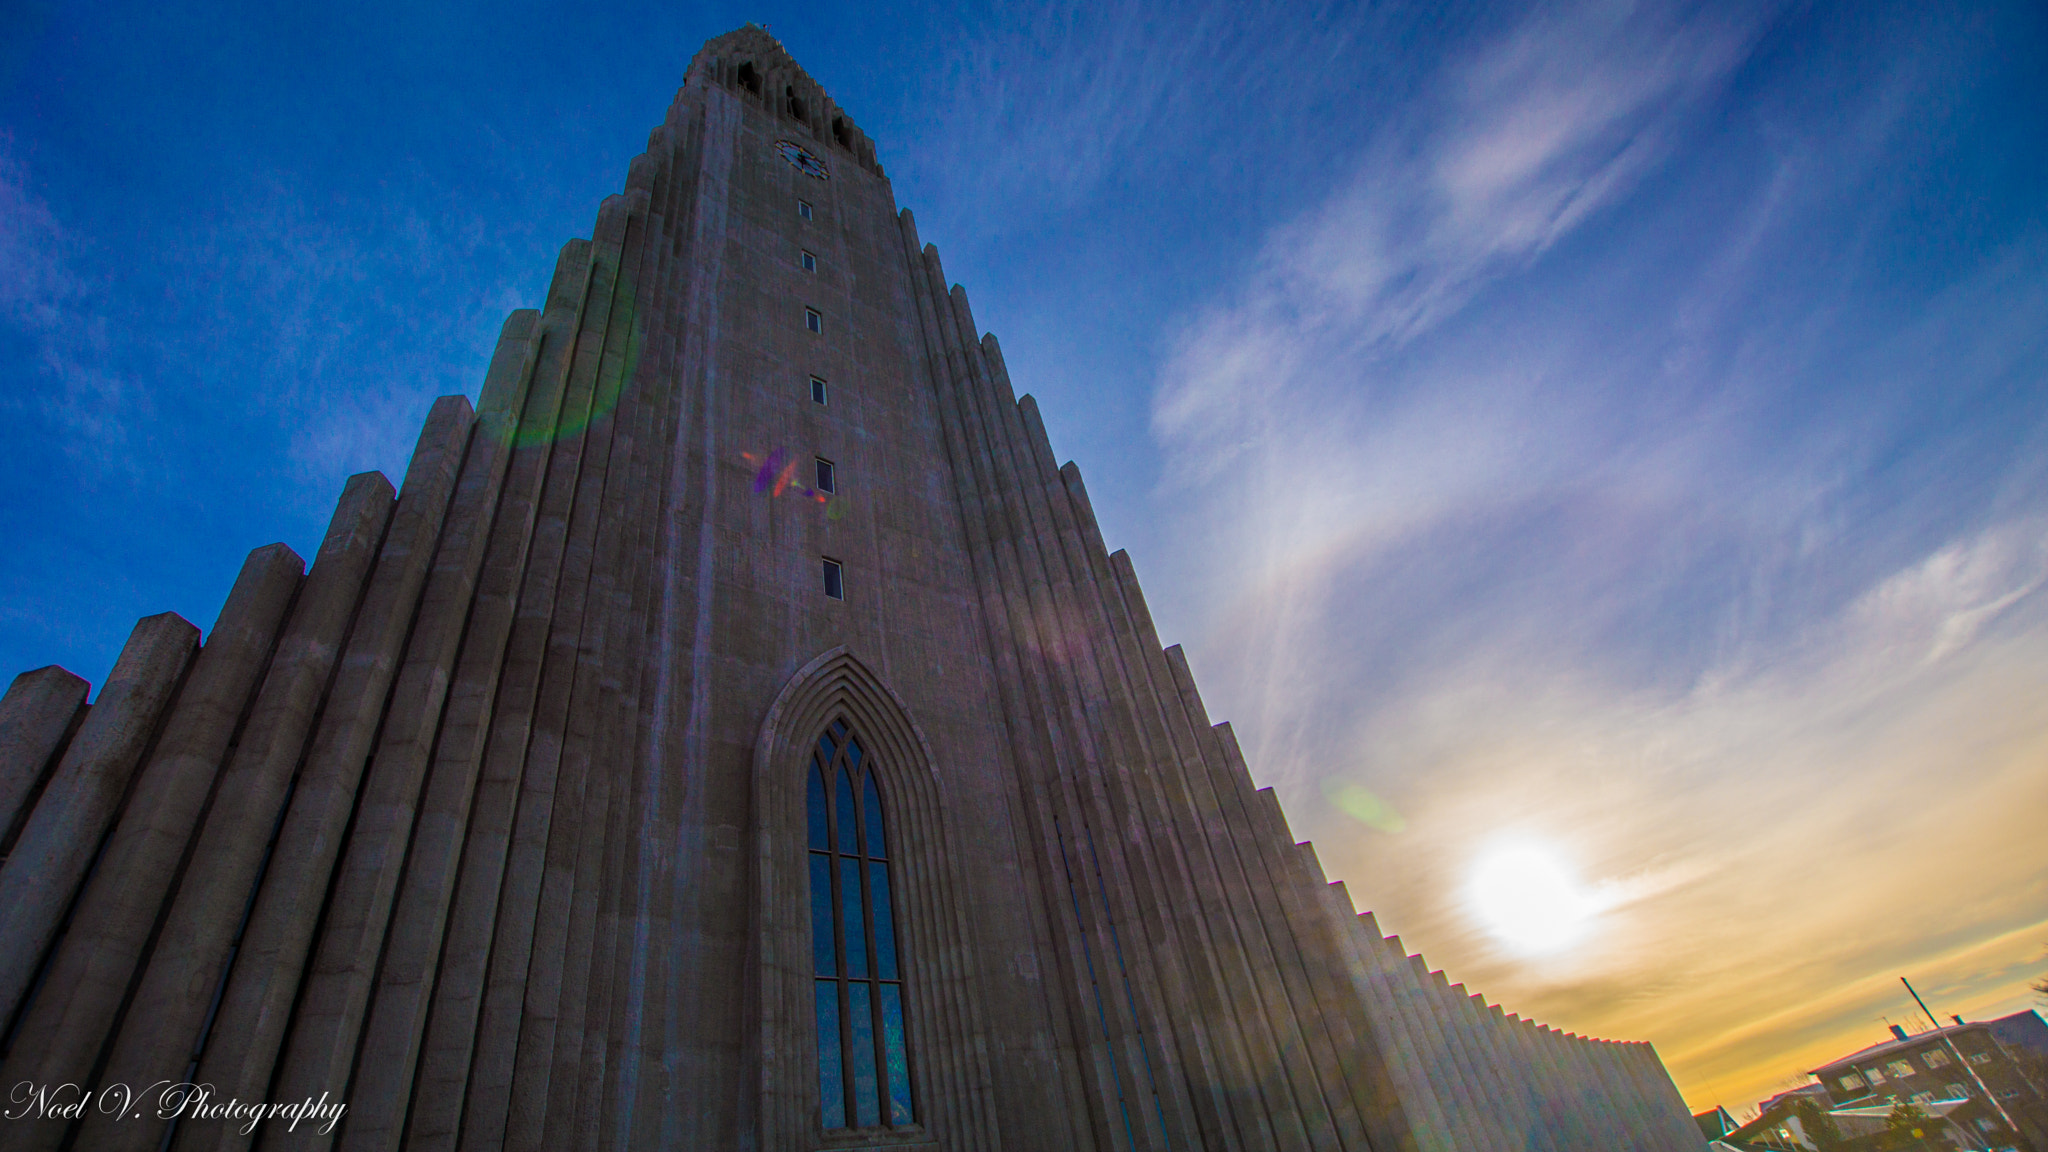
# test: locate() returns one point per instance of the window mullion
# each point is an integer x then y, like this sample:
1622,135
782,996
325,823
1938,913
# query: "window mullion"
878,1038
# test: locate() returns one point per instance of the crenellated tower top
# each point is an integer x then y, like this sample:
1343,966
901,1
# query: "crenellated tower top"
754,65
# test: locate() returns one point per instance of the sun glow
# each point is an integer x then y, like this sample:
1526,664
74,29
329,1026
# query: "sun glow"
1527,897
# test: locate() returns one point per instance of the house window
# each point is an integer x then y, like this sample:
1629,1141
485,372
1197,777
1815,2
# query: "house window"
825,475
1874,1076
834,586
813,320
1852,1081
863,1054
1900,1068
1923,1097
810,262
1954,1092
817,390
1980,1057
803,209
1934,1058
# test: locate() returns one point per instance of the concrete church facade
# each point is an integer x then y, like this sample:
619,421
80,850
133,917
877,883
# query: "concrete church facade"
733,733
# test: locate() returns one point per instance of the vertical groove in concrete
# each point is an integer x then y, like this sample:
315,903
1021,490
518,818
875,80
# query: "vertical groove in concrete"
89,976
84,795
35,716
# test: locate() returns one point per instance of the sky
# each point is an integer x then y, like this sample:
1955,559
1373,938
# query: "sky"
1596,447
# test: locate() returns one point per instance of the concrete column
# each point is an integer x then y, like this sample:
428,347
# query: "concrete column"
609,1087
1468,1082
63,833
214,890
1058,1047
391,1035
495,699
1388,1005
544,646
1625,1093
1294,1094
1568,1111
1108,1029
91,970
1136,875
1210,1033
574,689
1538,1114
605,721
1663,1100
1228,1018
1587,1124
36,715
162,1033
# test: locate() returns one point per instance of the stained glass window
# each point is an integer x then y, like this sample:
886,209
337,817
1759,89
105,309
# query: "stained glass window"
863,1044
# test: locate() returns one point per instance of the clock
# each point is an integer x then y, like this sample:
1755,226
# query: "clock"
802,159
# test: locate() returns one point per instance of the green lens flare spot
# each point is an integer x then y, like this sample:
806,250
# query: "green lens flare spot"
1362,805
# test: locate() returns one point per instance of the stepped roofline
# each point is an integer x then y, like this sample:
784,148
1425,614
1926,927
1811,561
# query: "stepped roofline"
752,64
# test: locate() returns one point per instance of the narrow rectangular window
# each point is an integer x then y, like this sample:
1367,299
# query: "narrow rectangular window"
810,262
817,390
813,320
825,475
834,587
803,209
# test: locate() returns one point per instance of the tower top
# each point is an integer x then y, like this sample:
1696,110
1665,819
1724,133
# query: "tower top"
755,66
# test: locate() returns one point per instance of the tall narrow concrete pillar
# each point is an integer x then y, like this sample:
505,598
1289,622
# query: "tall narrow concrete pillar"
163,1033
35,716
57,844
90,973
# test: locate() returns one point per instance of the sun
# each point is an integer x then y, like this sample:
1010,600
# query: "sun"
1528,898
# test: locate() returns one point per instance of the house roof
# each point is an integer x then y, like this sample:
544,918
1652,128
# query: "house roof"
1879,1051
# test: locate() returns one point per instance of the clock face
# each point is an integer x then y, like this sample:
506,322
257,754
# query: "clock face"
802,159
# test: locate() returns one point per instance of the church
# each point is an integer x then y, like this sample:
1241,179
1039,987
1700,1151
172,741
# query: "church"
732,733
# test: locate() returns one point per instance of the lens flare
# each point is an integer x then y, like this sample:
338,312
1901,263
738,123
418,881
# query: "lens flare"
1362,805
773,477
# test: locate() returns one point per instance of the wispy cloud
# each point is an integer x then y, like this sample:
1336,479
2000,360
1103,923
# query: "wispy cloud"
51,302
1521,144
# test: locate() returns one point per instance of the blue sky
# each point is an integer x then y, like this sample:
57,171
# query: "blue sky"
1613,428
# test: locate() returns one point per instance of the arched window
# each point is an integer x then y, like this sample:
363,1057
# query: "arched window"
863,1060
